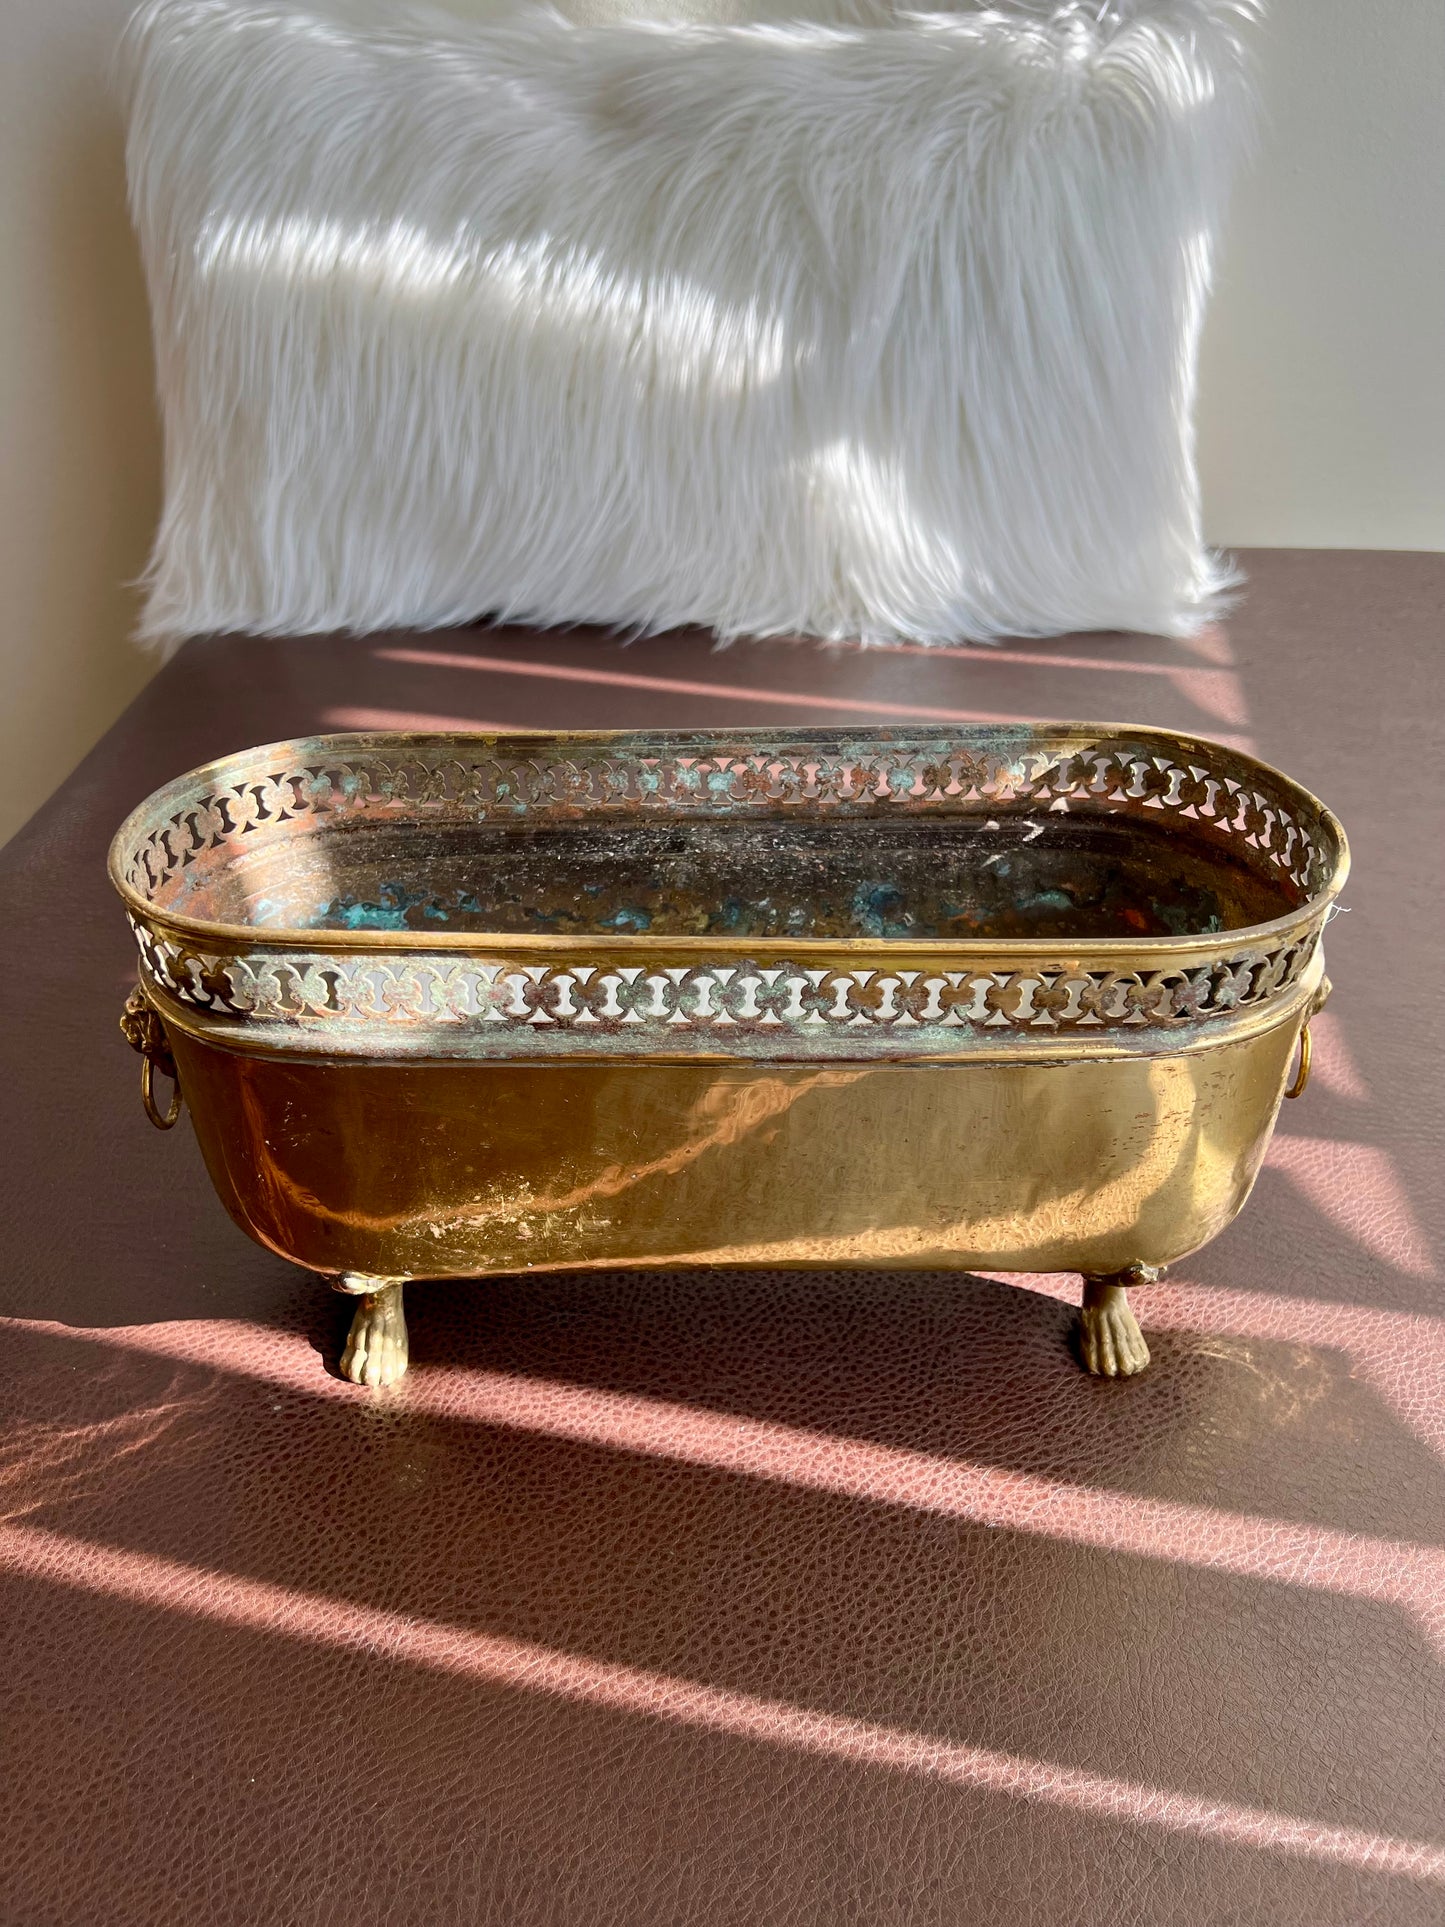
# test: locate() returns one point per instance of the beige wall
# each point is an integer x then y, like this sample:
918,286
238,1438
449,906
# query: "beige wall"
1322,404
79,458
1322,407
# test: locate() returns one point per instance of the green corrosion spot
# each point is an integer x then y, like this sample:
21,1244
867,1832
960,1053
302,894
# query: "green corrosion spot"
881,910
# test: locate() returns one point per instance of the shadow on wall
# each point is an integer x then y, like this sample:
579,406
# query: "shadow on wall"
81,453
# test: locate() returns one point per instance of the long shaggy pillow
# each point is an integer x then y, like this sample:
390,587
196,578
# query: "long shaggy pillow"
882,325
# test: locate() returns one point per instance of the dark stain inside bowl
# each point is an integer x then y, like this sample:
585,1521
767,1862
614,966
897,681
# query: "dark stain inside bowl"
1079,876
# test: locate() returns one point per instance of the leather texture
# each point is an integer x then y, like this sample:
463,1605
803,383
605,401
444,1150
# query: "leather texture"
771,1599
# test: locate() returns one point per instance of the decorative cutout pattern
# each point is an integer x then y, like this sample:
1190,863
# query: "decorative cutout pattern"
621,998
454,782
649,1006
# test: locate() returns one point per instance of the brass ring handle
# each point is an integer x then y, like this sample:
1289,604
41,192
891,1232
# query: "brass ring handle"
143,1030
166,1121
1302,1075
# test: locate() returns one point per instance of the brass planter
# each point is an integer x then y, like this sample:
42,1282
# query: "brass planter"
454,1005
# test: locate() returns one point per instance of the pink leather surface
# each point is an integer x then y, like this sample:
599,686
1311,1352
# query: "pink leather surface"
764,1599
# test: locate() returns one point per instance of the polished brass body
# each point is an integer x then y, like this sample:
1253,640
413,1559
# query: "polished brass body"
433,1170
386,1087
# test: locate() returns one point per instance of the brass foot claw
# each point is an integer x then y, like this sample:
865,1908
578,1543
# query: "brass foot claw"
376,1349
1110,1341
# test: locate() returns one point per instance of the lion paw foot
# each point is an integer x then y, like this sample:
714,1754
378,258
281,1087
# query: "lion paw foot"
1110,1341
376,1349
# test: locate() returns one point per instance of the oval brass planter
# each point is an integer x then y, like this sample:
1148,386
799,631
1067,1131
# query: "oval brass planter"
449,1005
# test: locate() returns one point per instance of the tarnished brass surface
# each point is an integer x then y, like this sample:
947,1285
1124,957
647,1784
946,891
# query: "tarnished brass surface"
784,897
1017,998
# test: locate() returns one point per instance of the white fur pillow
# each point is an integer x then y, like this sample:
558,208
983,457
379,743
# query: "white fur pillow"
882,326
